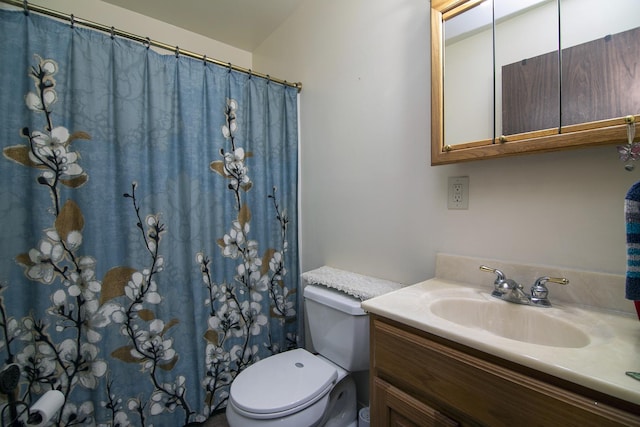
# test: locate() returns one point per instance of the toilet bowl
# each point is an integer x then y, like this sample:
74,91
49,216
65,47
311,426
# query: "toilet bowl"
300,389
295,388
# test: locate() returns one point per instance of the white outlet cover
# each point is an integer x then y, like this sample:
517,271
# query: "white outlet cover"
458,192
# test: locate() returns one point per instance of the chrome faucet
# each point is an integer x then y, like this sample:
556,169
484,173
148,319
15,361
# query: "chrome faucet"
511,291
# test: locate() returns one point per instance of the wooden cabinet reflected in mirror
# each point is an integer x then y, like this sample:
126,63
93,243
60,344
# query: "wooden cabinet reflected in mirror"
544,102
599,82
530,95
601,79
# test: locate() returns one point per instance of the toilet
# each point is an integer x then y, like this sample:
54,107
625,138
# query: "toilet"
297,388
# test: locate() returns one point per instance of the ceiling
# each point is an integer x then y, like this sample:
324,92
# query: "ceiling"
243,24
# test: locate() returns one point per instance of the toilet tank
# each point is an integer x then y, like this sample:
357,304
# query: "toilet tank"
339,327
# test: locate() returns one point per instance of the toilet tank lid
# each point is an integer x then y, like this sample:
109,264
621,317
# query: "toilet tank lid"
334,298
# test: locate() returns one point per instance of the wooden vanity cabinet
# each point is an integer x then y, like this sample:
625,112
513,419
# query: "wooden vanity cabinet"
418,379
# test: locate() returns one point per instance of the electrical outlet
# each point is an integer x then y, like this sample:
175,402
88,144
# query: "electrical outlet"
458,192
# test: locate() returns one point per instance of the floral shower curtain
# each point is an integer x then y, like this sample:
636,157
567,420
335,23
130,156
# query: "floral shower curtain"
148,224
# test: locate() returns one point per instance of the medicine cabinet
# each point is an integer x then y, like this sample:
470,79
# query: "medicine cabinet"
512,77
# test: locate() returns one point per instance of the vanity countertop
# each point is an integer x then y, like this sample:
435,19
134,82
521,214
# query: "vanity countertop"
614,346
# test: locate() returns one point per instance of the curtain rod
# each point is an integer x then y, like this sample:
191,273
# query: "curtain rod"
144,40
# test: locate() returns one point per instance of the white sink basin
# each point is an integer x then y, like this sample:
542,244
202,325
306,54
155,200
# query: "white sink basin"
512,321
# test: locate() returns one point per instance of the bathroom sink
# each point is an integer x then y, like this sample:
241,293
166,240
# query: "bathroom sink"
516,322
585,345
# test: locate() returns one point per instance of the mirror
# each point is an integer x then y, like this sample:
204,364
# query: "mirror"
468,40
503,85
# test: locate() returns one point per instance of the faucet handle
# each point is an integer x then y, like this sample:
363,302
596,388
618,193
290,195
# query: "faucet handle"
499,274
540,293
502,285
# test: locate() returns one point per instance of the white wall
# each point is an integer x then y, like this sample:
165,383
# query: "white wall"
135,23
370,201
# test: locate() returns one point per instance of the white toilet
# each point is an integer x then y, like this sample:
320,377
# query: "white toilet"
299,389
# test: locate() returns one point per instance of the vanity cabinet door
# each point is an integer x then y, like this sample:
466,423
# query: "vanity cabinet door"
417,377
393,407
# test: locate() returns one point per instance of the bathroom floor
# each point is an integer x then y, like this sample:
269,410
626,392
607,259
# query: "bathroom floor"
219,420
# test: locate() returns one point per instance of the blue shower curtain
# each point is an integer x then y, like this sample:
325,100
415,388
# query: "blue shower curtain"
149,225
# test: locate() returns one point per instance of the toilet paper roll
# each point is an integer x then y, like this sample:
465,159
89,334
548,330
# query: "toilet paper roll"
45,408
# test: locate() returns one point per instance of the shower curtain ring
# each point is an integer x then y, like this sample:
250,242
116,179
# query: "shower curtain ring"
229,64
72,20
26,7
113,33
250,74
177,51
204,60
147,42
268,79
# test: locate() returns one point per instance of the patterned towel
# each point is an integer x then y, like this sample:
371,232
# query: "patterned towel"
632,217
362,287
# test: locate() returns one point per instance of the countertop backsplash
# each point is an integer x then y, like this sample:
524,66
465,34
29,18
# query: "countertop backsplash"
588,288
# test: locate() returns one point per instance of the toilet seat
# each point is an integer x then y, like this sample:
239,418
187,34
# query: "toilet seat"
282,384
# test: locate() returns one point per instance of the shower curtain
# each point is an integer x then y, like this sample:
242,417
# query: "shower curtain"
148,209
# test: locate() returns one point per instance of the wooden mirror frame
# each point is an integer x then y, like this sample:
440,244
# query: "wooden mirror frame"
611,131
